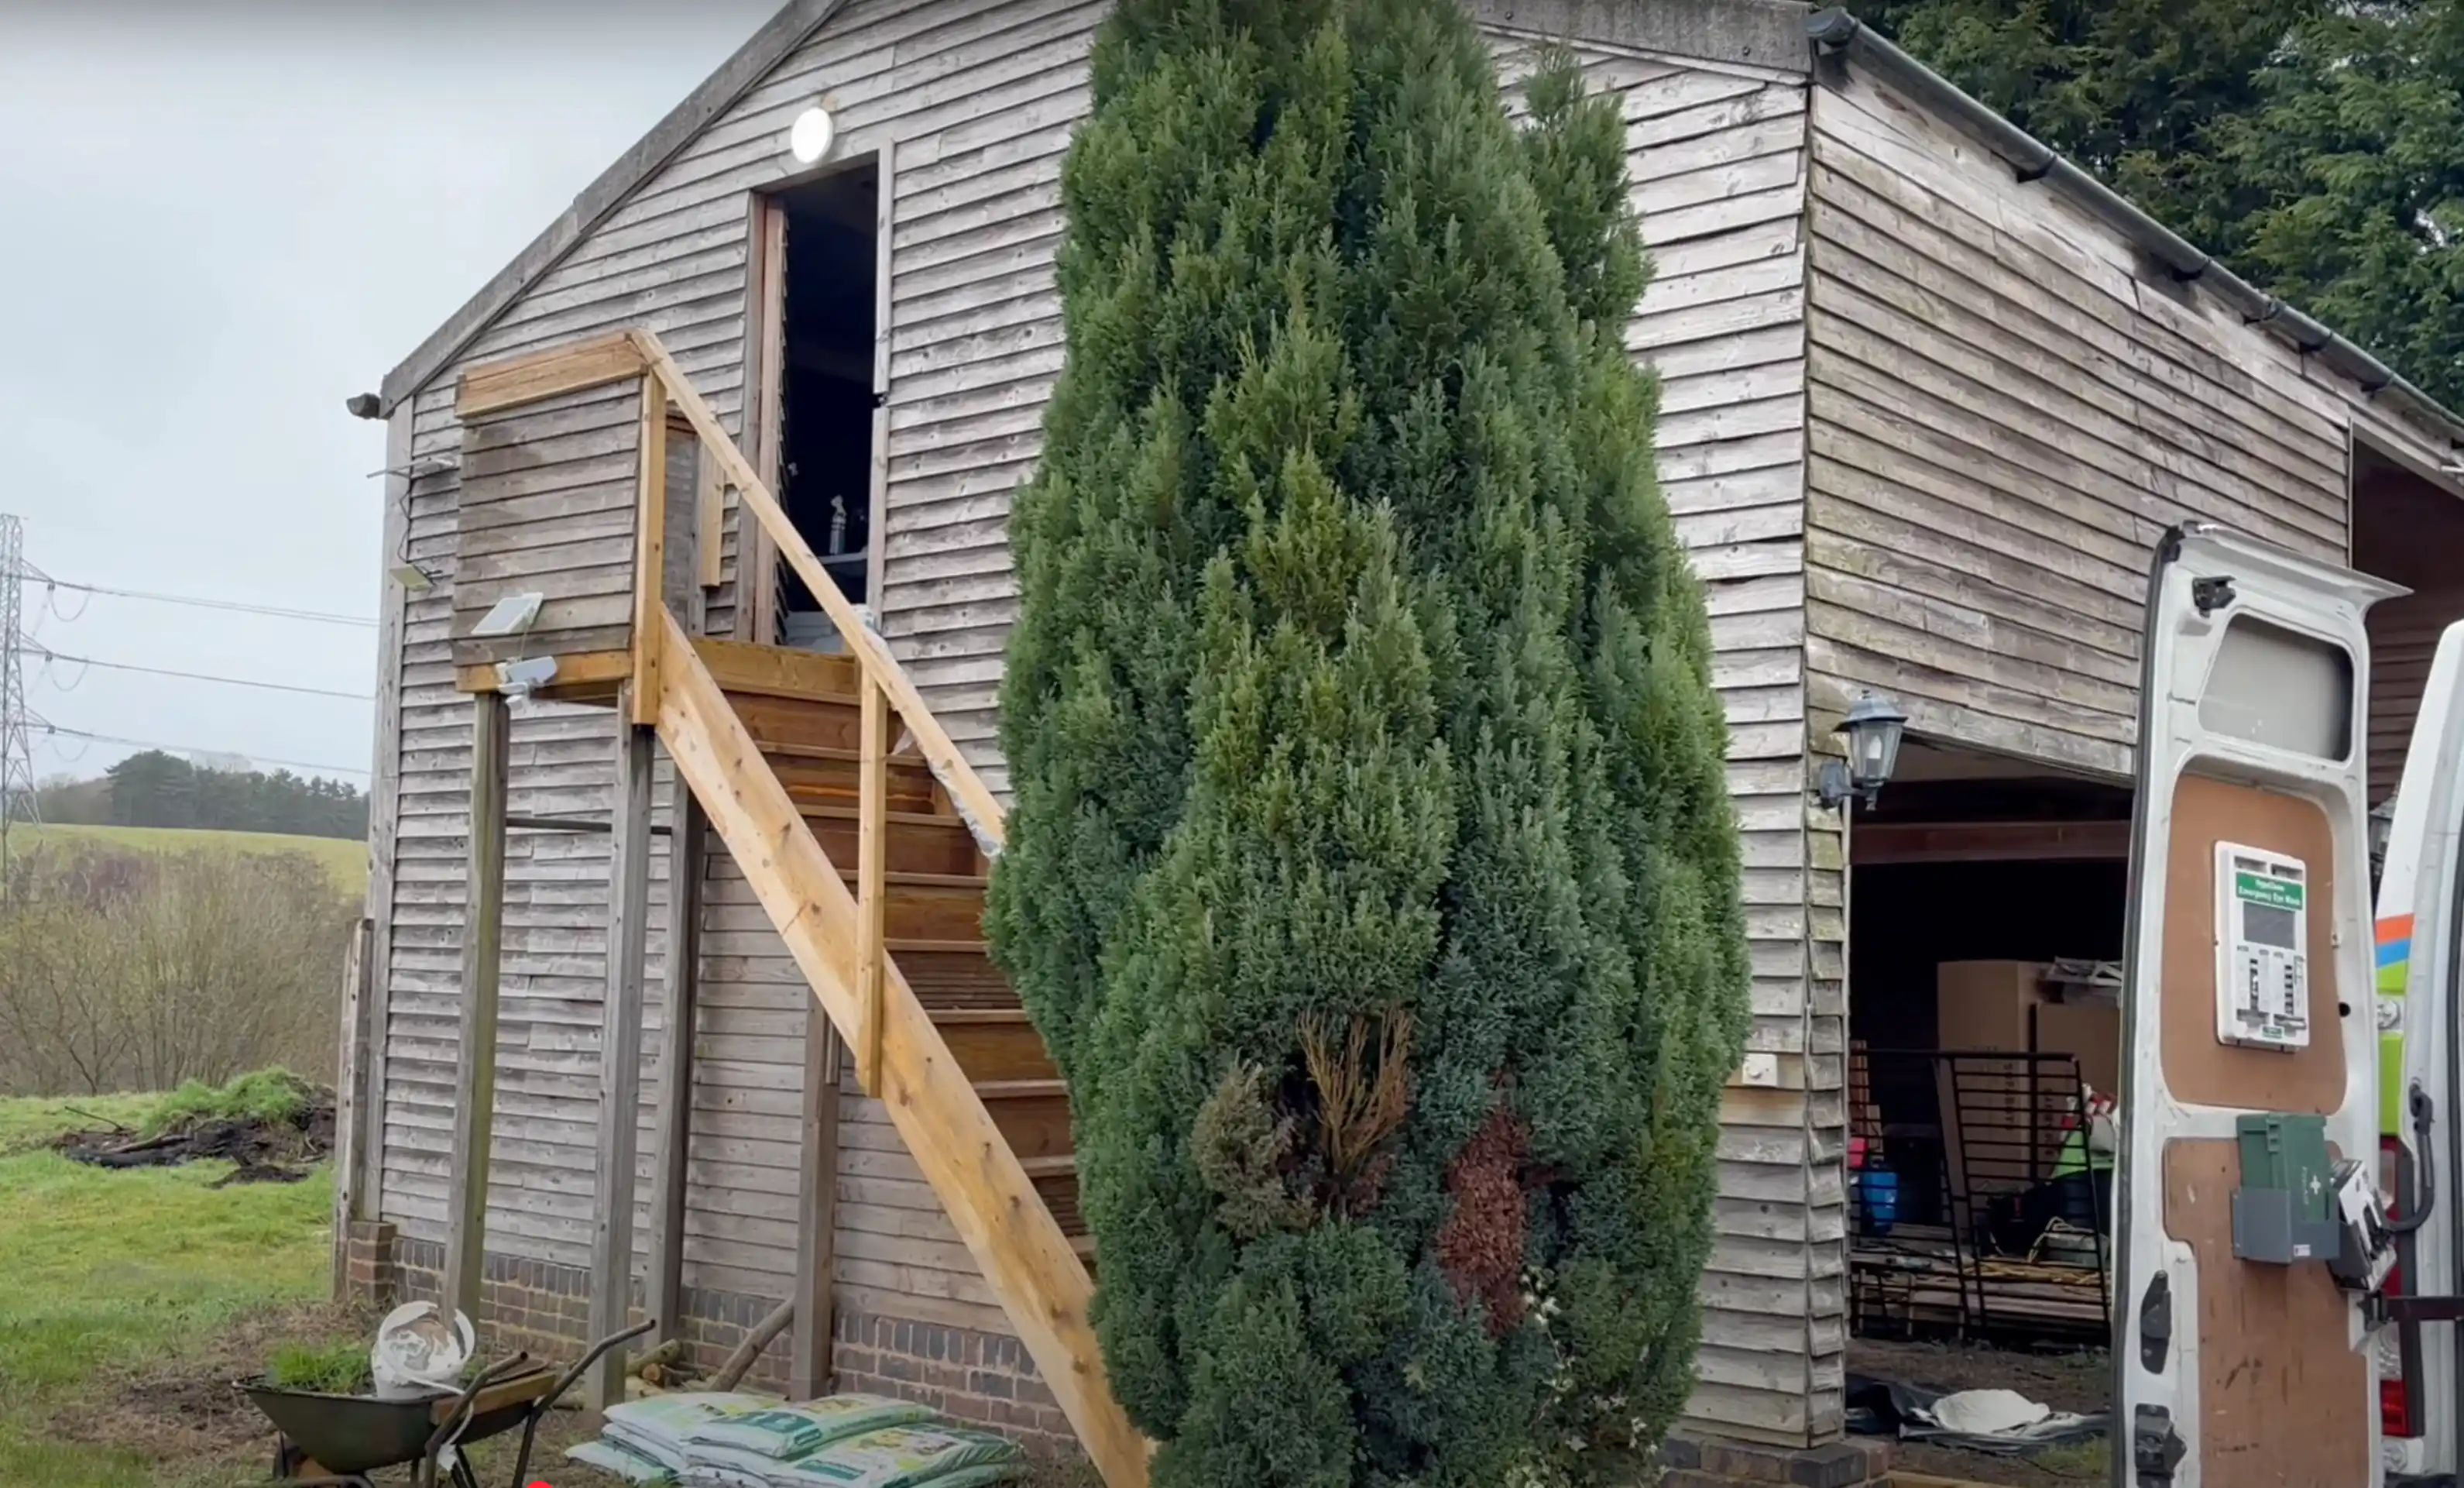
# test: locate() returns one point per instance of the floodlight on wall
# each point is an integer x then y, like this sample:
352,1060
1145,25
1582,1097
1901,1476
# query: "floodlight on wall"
810,136
1873,728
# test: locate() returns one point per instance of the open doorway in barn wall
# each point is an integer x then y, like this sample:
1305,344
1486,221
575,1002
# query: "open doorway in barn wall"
819,386
1986,910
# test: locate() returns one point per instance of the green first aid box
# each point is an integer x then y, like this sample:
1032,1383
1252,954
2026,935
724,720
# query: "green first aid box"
2284,1210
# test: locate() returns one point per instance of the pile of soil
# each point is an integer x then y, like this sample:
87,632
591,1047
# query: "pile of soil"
260,1151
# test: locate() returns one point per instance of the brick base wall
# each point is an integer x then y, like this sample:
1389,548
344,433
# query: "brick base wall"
545,1307
367,1279
1705,1462
985,1378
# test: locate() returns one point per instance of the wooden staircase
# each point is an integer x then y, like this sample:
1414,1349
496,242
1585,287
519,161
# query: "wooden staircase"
804,712
862,829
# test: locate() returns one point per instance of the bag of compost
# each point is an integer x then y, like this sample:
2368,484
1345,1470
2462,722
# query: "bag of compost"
655,1426
618,1460
905,1457
785,1433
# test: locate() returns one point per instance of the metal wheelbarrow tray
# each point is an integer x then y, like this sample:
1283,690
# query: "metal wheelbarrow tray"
339,1439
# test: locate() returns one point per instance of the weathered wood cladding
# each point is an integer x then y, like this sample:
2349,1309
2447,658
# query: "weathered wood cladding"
976,99
546,506
2008,406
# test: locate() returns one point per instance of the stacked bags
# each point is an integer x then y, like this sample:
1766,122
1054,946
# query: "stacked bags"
709,1440
644,1440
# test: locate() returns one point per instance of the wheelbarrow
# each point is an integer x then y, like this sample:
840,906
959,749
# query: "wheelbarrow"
336,1441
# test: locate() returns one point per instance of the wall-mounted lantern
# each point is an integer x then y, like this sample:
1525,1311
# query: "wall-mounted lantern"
1874,727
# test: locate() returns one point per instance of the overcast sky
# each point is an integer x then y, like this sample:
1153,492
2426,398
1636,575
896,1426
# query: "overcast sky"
217,221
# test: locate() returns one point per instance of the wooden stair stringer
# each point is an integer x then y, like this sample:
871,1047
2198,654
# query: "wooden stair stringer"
991,1199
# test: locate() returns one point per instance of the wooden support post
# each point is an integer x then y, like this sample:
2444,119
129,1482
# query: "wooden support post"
649,551
808,1364
679,993
619,1056
872,893
354,1105
483,924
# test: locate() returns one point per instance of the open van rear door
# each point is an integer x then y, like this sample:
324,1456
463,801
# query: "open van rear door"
2250,1097
2420,919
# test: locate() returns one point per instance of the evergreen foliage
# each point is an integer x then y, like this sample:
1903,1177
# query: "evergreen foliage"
1372,875
2316,146
158,789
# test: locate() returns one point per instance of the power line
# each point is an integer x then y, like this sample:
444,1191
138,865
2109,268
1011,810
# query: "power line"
21,571
147,743
50,654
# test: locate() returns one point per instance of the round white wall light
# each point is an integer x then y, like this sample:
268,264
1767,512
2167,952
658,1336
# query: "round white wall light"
809,138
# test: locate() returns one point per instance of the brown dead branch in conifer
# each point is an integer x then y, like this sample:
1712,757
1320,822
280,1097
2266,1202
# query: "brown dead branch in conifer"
1361,1100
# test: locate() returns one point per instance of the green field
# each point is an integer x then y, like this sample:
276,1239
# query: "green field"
112,1276
345,858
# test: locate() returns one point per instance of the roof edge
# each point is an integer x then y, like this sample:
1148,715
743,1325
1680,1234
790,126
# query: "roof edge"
1765,34
1836,30
783,34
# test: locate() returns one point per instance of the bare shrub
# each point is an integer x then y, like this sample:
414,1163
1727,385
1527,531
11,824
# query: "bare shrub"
130,971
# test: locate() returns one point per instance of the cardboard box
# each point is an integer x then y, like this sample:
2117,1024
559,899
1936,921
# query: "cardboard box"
2088,1031
1984,1004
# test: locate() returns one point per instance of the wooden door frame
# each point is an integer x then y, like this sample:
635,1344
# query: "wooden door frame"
765,353
765,359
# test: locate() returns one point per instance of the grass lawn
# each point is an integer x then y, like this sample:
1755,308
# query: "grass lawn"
133,1298
346,858
116,1276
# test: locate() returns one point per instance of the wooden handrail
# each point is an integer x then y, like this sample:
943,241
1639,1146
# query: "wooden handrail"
967,789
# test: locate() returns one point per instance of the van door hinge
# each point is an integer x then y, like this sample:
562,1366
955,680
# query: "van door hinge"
2156,1322
2155,1449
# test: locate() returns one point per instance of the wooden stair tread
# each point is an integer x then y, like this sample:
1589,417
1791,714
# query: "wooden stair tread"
837,809
916,947
908,762
835,697
979,1016
1048,1166
1084,1245
925,881
840,753
1020,1089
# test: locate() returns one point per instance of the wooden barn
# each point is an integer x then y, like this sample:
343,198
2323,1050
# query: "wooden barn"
700,585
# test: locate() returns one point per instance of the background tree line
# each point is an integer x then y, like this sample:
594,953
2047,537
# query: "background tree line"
158,790
2317,146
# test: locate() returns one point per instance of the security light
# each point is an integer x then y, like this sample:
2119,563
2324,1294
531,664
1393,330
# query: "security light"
809,138
1874,727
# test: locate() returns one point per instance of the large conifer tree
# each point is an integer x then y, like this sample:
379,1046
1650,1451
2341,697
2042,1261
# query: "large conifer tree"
1373,877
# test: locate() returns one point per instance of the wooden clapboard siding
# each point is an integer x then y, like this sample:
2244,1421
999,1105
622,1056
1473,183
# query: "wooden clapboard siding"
545,506
2006,411
1718,164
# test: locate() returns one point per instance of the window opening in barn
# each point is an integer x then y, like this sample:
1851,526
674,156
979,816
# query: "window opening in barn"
827,390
